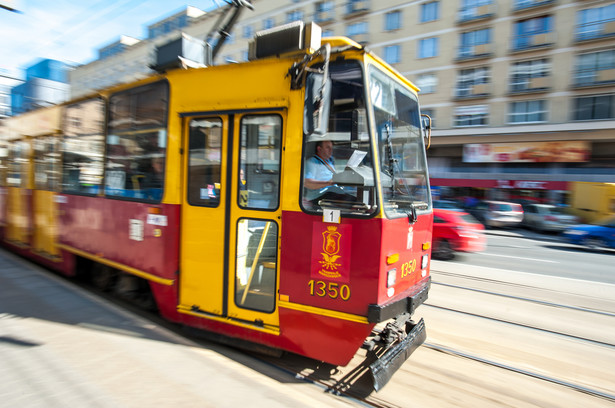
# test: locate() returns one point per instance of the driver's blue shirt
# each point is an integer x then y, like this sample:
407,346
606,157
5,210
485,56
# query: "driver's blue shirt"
316,169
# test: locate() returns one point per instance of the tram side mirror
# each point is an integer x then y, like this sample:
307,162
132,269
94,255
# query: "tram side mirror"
426,124
317,104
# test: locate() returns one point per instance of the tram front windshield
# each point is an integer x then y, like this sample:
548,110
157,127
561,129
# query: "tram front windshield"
339,166
401,151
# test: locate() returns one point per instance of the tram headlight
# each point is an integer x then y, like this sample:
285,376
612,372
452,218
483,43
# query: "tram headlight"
391,277
424,260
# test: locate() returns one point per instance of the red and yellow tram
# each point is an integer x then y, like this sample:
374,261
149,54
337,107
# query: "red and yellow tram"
189,186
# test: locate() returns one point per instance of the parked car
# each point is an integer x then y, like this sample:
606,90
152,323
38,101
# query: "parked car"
599,236
498,213
547,217
456,231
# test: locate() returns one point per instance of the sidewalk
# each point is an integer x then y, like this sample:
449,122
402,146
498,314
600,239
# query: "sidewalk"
60,347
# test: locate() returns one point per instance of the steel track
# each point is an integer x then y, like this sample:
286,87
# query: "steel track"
576,387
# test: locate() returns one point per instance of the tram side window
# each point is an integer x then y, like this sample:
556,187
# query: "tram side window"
18,165
136,143
4,152
46,163
204,161
261,143
83,147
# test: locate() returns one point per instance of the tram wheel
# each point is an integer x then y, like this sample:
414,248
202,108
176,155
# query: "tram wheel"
103,277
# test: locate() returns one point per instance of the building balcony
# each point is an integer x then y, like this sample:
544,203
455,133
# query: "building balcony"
523,5
531,85
526,42
467,52
595,30
474,13
594,78
475,91
356,7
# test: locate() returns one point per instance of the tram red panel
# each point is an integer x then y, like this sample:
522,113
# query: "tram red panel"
406,240
304,253
323,338
140,235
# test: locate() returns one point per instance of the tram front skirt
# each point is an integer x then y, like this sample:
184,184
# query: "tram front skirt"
383,369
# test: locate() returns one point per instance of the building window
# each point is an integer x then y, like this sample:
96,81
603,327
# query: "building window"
527,112
325,11
471,9
428,47
430,11
248,32
474,43
356,29
268,23
472,82
530,75
594,107
392,54
427,83
328,33
392,21
471,115
595,22
295,15
595,68
532,32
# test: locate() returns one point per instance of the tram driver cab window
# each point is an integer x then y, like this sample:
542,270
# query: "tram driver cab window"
337,165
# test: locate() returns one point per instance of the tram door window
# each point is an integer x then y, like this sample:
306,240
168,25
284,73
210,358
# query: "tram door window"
83,147
259,189
204,161
257,250
259,162
136,143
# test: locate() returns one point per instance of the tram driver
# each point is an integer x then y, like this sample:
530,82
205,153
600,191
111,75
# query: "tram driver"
319,171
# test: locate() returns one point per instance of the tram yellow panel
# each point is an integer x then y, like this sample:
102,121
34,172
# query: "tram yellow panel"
18,224
45,223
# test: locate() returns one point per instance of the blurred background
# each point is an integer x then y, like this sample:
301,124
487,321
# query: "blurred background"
520,91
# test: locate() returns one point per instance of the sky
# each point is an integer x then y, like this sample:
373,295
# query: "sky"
73,30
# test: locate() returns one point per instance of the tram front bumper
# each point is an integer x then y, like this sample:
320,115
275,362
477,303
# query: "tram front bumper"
383,369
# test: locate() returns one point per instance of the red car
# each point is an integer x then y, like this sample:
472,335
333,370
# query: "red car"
456,231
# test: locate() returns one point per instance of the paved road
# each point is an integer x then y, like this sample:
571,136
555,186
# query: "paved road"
60,347
547,254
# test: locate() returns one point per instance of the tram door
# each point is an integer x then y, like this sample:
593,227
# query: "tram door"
230,217
19,198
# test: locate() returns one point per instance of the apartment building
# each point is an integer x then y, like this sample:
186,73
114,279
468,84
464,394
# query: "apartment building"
521,92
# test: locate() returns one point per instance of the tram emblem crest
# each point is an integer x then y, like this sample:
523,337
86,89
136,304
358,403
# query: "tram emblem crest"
330,257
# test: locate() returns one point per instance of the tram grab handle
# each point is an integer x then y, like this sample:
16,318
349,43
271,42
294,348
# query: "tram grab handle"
383,369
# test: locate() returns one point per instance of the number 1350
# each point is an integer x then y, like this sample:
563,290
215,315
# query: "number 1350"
331,289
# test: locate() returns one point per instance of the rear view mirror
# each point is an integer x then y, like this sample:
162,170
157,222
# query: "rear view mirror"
317,104
426,125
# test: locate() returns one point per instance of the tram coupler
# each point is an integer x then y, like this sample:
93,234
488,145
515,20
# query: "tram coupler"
383,369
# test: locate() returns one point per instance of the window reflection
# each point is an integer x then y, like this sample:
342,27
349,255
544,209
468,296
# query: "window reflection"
259,174
255,275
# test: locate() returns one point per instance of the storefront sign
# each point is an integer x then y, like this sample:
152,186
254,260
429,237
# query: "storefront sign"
531,152
522,184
